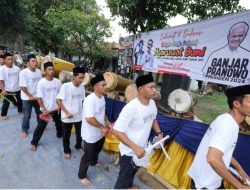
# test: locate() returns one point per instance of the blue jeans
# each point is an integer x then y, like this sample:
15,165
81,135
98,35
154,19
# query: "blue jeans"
27,108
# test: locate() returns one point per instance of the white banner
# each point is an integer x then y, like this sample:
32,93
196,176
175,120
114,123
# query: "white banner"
215,50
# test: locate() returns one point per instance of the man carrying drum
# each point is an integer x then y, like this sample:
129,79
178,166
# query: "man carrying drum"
70,100
94,124
47,90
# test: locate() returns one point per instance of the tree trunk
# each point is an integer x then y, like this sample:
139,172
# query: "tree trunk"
171,83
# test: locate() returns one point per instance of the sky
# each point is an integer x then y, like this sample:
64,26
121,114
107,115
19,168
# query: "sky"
118,31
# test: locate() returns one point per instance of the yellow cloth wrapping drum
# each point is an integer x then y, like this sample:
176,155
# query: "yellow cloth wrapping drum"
116,82
59,64
111,143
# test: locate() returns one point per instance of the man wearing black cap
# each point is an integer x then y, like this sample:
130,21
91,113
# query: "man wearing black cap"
47,90
70,99
133,127
9,81
93,125
28,80
214,154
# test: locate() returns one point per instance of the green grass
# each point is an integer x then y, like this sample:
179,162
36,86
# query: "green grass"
210,106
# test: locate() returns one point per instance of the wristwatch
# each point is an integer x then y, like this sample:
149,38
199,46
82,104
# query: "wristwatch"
159,133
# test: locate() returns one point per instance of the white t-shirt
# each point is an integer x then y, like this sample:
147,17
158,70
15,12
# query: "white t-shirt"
222,135
136,120
48,90
10,76
29,79
72,98
93,106
1,66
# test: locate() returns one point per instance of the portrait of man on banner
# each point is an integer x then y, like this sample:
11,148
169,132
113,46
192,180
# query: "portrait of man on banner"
231,62
147,60
138,52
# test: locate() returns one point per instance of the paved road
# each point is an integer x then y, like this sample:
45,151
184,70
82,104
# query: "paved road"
46,168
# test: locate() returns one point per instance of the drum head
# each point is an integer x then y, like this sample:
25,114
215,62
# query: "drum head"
110,80
180,101
131,92
65,76
47,58
86,79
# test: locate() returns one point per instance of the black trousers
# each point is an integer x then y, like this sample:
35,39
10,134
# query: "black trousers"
67,127
16,99
42,125
90,157
193,185
126,174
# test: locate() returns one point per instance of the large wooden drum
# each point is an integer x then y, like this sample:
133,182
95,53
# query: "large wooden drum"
59,64
116,82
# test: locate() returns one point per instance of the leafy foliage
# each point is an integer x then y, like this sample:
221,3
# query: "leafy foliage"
72,26
146,15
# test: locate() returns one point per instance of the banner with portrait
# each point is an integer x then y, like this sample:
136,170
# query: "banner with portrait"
214,50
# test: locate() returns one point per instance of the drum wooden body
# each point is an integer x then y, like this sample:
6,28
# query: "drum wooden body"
59,64
116,82
65,76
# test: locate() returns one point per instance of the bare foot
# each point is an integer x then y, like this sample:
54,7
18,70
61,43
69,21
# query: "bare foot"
33,147
4,117
85,181
67,156
80,150
24,134
134,187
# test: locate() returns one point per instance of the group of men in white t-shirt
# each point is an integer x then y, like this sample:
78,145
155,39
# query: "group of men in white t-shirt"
88,117
132,127
28,89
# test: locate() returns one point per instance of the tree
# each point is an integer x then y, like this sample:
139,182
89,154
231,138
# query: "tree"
11,16
145,15
72,26
81,23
